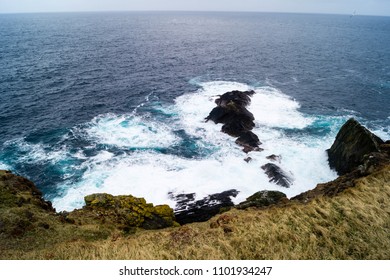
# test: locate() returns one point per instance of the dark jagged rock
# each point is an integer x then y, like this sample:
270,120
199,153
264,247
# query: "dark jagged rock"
362,163
239,98
262,199
277,175
189,210
249,141
236,119
352,143
238,124
218,115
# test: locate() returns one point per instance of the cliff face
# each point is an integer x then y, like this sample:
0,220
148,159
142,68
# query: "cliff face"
28,222
29,226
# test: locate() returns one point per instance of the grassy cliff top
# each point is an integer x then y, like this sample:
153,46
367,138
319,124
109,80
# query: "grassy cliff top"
353,224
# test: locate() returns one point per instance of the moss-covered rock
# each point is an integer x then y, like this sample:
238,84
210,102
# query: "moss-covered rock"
26,216
262,199
125,212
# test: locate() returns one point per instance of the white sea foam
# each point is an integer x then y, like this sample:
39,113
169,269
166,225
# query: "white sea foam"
130,131
35,153
383,133
153,175
4,166
272,108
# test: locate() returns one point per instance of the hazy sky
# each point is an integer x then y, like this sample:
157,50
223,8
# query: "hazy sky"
365,7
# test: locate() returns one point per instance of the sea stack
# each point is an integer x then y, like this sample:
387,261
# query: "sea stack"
237,121
352,143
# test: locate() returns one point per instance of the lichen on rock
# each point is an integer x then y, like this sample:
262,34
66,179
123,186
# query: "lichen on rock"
124,211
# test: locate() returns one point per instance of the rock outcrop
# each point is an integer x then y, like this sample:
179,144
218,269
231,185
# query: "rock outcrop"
236,119
263,199
16,191
125,212
355,153
22,210
352,143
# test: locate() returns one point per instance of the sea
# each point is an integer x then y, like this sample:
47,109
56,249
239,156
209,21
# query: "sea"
115,102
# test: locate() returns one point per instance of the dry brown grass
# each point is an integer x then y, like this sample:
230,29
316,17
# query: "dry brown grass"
353,225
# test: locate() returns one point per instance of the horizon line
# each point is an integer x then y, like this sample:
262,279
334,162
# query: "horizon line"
194,11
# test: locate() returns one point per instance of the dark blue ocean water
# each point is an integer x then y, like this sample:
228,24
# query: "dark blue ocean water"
114,102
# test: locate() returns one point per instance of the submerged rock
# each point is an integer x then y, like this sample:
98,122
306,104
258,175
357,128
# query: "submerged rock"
277,175
262,199
189,210
352,143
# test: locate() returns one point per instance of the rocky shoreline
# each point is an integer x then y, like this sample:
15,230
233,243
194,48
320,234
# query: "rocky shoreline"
355,153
